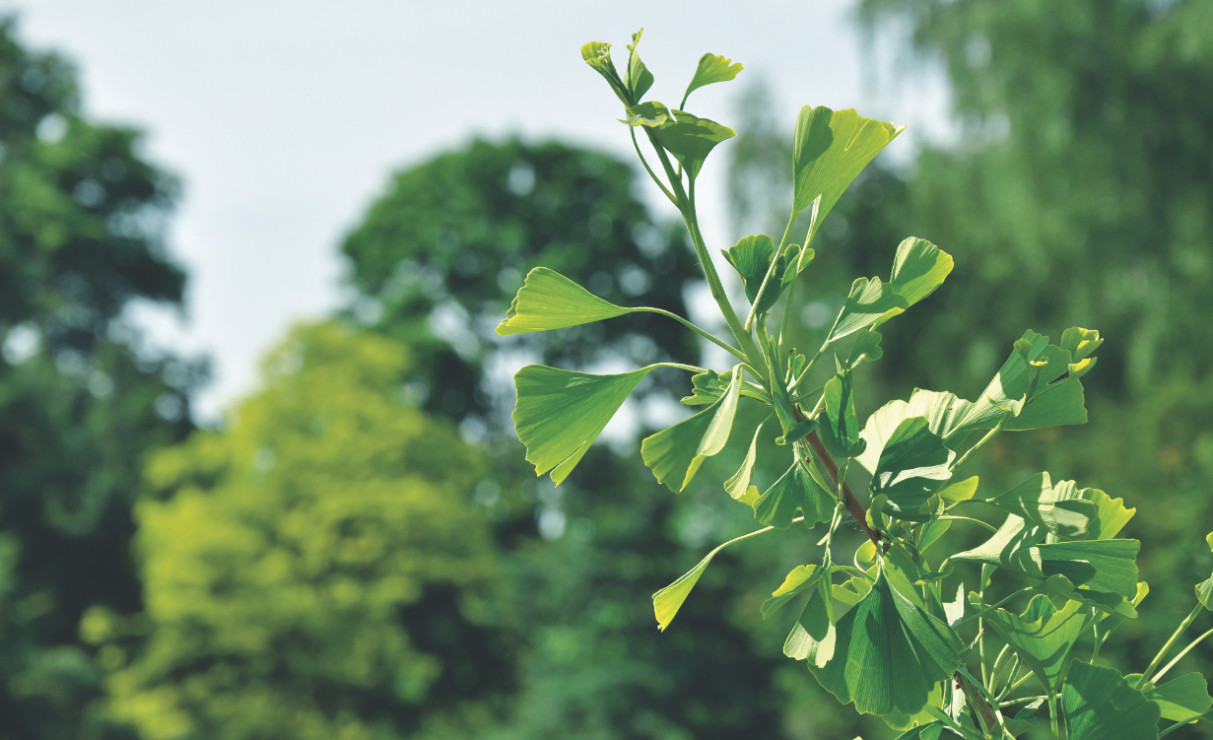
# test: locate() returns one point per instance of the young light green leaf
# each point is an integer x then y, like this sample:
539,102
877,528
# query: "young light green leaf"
707,387
674,454
919,267
670,599
794,491
814,637
690,139
712,68
830,149
548,300
649,113
597,54
1099,704
800,579
560,413
640,79
889,654
738,486
1182,699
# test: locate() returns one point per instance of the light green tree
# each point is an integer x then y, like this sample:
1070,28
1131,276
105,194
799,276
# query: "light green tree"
315,571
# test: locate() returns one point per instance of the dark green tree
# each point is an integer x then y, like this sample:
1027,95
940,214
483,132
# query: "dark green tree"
81,216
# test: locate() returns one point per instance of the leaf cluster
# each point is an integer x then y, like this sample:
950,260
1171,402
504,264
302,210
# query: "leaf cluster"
916,625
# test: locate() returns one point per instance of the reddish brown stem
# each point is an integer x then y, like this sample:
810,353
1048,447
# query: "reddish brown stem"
848,496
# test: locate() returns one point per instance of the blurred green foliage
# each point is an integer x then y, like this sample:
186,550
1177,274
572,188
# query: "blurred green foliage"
81,402
313,571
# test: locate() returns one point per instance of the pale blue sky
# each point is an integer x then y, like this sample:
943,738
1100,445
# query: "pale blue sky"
284,118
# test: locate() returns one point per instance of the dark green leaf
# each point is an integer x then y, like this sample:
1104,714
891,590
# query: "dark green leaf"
889,654
1099,704
795,490
912,465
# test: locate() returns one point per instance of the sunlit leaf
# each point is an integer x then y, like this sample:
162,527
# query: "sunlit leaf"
1099,704
829,151
640,79
670,599
712,68
794,491
674,454
865,348
649,113
560,413
739,486
919,267
1041,636
548,300
1182,699
690,139
1058,508
814,637
800,579
959,491
913,464
888,655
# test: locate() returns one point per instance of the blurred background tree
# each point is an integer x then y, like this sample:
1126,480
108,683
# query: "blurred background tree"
81,402
315,570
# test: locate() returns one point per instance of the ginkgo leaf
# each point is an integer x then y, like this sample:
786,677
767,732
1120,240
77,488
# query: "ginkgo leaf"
560,413
1182,699
814,637
1042,636
840,431
1099,704
913,464
1058,509
800,579
640,79
738,486
548,300
829,151
667,601
674,454
888,654
919,267
712,68
690,138
794,491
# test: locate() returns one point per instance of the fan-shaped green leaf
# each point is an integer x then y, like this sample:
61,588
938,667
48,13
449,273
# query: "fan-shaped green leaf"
795,490
674,454
829,151
690,139
712,68
560,413
1182,699
919,267
814,637
800,579
1099,704
548,300
1041,636
670,599
888,655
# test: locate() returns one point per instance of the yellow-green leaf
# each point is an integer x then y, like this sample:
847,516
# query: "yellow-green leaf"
548,300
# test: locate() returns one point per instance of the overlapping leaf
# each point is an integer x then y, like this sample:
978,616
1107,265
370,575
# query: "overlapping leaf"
913,464
548,300
794,491
674,454
888,654
1099,704
814,637
919,267
1042,636
1182,699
